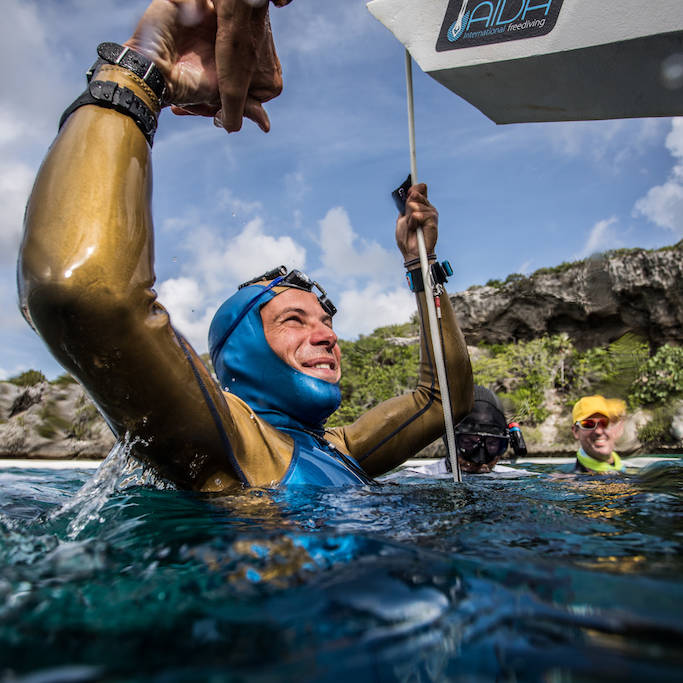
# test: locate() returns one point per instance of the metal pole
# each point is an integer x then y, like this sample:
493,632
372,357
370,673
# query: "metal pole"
431,308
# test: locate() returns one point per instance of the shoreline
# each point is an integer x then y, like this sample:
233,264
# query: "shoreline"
49,463
63,464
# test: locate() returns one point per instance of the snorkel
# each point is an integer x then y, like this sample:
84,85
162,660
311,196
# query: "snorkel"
246,365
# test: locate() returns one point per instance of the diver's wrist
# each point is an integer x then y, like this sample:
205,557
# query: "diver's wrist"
411,263
439,274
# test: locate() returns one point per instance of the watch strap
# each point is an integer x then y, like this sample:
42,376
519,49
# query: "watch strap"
440,272
127,58
415,280
123,100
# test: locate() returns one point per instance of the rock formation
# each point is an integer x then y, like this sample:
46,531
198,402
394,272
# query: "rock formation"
594,301
51,421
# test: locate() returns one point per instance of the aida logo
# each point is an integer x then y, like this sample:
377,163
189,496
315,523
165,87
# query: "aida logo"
469,23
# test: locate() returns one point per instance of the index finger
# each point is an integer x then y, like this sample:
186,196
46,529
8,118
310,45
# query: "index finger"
239,37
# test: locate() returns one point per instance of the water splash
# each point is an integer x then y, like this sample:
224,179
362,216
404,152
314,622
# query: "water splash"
119,470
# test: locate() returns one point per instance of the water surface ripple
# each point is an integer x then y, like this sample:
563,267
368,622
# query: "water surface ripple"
538,578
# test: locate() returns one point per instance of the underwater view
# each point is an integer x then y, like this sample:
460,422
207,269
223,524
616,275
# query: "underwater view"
107,576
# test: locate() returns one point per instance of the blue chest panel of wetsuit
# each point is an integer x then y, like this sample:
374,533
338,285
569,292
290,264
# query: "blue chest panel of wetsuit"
318,464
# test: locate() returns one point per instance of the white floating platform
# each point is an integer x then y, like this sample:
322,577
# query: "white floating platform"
629,461
548,60
34,463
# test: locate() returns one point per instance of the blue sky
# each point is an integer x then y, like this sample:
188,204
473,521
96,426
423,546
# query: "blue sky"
315,192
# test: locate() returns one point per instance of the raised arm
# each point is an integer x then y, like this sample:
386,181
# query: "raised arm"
86,275
397,429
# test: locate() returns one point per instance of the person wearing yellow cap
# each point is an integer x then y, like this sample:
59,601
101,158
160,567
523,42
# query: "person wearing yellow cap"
597,424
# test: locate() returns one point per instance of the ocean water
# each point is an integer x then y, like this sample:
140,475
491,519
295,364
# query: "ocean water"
529,578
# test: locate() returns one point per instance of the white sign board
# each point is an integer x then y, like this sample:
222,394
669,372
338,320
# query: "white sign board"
548,60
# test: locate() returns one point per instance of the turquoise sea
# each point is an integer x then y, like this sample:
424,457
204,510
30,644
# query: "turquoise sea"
111,577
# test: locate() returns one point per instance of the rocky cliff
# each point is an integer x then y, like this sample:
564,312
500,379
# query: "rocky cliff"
594,301
51,421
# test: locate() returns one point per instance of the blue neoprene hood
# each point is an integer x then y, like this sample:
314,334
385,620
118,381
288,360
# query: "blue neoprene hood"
247,367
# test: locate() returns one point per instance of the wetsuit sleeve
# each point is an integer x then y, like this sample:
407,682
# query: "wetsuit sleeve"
85,278
395,430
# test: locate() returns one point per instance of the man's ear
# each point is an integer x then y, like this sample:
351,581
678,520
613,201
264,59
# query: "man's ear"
575,432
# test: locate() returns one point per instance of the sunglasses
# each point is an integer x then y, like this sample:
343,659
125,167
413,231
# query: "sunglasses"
481,447
590,423
297,280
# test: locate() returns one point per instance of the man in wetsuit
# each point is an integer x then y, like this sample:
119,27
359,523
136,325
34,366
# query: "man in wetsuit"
597,424
86,276
481,439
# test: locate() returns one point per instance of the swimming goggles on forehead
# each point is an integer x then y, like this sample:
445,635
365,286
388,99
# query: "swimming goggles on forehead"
297,280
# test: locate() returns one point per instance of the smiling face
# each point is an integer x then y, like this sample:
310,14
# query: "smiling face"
599,442
300,333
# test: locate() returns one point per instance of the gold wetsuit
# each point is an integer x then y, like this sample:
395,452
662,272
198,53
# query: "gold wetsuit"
85,281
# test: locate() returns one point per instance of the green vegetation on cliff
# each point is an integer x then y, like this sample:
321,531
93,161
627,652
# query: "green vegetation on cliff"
381,365
28,379
376,367
529,377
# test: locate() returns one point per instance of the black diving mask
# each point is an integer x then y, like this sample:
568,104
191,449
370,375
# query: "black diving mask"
297,280
481,447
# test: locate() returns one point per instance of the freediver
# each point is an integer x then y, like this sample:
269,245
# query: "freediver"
597,424
86,274
482,438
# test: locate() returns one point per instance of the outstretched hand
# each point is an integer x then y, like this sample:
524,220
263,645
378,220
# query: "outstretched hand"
419,213
217,57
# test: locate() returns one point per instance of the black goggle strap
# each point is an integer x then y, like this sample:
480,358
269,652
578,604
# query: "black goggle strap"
280,276
326,304
268,275
299,280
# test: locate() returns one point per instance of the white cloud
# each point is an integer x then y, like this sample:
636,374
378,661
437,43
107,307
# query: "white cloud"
370,297
216,263
237,207
663,204
231,260
363,310
674,140
11,127
346,255
297,187
525,267
303,29
613,141
11,319
602,237
15,184
186,303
